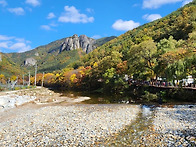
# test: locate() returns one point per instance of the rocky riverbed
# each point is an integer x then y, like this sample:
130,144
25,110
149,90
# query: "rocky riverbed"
52,119
176,125
11,99
72,125
39,95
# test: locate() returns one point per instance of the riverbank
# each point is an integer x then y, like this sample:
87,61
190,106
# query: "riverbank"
39,96
73,125
12,99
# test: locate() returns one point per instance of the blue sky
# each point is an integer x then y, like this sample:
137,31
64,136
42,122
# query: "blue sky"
27,24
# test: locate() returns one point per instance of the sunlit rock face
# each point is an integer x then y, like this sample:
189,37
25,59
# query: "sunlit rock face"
75,42
0,58
30,62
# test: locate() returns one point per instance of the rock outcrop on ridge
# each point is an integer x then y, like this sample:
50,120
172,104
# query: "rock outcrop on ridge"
75,42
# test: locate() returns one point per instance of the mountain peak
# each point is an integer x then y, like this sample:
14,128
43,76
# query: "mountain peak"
72,43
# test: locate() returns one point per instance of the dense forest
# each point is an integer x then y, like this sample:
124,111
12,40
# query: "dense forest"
165,48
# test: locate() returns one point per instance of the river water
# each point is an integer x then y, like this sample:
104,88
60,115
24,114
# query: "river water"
95,98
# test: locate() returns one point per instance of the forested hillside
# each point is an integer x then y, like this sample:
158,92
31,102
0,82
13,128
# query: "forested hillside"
8,67
164,48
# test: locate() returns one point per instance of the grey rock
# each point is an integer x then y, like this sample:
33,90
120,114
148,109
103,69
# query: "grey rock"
36,54
75,42
30,62
0,58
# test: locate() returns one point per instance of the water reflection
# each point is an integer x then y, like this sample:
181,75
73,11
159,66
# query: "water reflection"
96,98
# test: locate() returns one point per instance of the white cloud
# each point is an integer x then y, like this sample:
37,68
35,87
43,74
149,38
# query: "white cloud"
20,46
22,40
17,11
152,17
3,37
4,44
14,44
154,4
186,2
96,37
3,3
51,15
49,27
122,25
33,2
72,15
46,27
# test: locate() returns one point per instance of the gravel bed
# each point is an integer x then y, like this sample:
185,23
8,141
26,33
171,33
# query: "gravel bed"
74,125
177,125
162,127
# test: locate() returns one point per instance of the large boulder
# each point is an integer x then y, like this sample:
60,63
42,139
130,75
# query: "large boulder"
36,54
30,62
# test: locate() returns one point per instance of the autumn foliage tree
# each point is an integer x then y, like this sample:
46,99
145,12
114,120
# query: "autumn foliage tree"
2,79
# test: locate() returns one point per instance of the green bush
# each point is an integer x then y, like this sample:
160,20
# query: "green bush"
150,96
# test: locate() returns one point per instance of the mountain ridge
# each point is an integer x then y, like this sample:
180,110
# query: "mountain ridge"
52,56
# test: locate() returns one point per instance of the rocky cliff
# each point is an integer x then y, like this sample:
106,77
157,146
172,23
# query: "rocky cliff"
0,58
75,42
30,62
